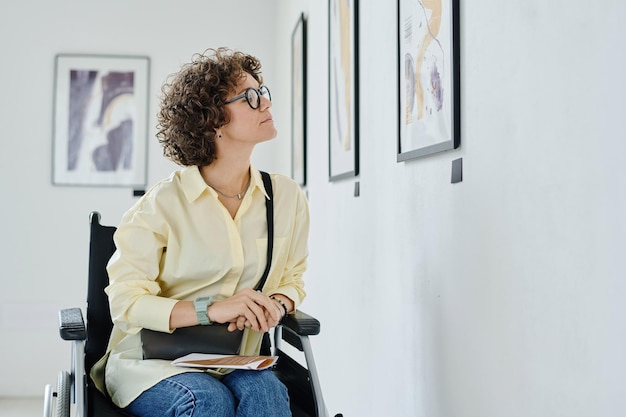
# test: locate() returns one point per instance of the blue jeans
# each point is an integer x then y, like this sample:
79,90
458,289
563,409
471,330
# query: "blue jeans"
194,394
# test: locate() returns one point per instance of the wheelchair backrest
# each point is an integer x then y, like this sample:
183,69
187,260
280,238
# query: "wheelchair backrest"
99,324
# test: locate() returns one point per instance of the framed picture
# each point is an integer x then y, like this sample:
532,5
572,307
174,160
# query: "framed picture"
298,101
343,135
428,77
100,120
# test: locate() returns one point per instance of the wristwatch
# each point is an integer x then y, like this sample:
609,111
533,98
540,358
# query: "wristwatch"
202,304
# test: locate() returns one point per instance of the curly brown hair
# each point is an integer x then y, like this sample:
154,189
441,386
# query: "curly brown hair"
192,103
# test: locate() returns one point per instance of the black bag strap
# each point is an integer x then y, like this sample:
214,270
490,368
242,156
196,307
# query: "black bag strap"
269,214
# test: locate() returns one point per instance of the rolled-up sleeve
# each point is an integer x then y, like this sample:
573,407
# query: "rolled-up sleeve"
291,283
133,270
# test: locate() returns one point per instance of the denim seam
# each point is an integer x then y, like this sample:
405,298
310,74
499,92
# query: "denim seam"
189,392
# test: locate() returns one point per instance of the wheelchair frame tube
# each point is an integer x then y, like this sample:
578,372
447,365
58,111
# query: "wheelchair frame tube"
310,364
47,401
78,377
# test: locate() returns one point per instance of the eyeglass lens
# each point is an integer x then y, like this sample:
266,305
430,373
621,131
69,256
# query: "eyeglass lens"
253,98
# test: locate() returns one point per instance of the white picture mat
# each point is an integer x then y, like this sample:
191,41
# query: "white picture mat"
426,78
94,134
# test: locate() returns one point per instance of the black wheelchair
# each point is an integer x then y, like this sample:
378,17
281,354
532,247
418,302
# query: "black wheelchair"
89,340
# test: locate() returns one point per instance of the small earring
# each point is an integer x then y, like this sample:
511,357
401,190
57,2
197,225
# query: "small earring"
219,135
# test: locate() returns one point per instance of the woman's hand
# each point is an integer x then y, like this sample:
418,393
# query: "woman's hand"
247,308
242,322
274,315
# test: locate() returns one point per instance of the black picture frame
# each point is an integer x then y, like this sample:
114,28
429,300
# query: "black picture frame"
429,94
100,120
299,101
343,89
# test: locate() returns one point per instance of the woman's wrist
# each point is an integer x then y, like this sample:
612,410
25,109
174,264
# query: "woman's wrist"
282,303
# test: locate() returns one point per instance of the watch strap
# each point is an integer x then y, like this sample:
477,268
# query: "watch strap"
201,305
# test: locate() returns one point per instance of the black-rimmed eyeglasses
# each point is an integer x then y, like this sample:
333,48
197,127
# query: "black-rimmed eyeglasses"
253,96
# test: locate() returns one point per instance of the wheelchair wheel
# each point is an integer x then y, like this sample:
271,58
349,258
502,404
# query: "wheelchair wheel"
63,395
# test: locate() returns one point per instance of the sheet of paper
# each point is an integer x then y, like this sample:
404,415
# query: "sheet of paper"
201,360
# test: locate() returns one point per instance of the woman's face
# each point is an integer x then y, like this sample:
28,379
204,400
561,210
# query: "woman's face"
248,124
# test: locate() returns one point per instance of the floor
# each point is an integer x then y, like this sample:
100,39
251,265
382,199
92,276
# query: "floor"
21,407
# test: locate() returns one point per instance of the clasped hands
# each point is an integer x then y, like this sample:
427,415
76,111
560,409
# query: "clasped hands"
247,309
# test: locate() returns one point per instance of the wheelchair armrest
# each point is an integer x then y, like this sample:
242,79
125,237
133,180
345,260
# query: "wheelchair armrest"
71,324
302,324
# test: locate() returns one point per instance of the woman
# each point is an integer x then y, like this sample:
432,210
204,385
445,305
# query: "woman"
202,233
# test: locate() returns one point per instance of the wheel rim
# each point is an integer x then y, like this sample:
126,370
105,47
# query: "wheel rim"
63,394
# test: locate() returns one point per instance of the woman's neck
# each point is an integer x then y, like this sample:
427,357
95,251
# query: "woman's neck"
229,177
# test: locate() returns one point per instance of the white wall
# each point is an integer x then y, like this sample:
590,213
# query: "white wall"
498,296
501,295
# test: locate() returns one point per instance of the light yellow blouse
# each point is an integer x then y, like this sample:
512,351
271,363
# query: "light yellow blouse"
178,242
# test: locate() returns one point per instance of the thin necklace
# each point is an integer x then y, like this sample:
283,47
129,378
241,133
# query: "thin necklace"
238,196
